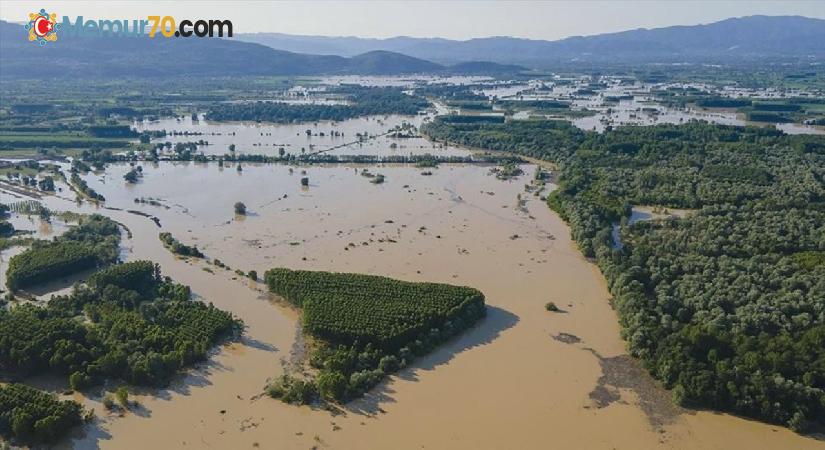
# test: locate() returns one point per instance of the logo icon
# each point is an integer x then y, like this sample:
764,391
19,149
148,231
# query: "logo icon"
42,27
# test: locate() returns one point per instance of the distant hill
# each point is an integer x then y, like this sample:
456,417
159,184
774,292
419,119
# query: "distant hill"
143,57
484,68
726,40
381,62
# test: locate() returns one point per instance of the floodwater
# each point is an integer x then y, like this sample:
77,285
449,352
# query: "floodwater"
643,213
637,105
32,225
522,378
269,138
404,80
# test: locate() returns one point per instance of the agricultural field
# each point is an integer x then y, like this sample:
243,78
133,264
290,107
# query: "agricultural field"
389,321
92,243
34,416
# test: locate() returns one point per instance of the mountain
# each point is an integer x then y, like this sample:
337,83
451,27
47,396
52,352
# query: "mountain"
341,46
724,41
729,41
93,57
379,62
484,68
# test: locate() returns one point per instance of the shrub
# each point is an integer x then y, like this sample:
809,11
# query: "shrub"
122,396
292,390
332,385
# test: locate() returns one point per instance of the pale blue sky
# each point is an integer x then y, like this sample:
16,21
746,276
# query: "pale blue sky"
450,19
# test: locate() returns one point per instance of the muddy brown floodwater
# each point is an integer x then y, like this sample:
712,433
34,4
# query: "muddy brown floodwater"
268,138
522,378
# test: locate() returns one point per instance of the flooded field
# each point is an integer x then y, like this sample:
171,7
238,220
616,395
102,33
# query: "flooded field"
613,105
404,81
634,104
335,138
31,226
523,378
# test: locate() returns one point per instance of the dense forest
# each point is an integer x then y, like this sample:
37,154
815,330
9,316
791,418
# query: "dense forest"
126,323
93,242
30,415
553,140
362,101
367,326
142,328
726,307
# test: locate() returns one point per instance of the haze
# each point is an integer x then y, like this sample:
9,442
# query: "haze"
453,20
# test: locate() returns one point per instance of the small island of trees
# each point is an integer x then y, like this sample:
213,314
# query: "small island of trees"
367,327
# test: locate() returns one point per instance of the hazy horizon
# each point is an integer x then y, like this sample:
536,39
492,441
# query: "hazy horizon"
532,20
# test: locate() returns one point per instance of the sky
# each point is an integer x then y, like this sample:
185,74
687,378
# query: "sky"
447,19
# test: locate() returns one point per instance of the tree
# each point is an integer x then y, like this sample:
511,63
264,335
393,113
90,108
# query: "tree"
77,381
332,385
122,396
131,176
6,228
46,184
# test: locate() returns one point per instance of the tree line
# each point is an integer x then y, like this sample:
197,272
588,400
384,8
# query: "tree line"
362,101
725,306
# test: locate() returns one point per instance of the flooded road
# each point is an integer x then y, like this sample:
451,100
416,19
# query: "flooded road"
522,378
